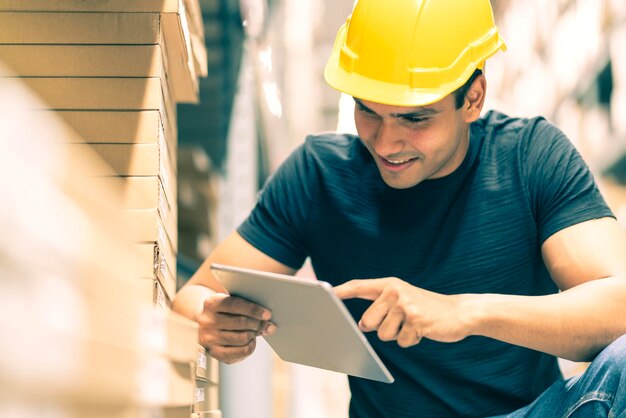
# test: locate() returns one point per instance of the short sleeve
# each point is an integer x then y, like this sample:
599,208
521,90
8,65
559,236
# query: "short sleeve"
561,187
278,221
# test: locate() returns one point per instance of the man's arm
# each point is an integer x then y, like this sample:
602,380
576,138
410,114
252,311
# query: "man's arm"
587,262
228,325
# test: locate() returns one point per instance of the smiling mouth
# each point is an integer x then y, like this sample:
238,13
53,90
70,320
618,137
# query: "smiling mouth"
396,164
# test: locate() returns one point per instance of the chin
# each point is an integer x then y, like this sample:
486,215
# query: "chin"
401,183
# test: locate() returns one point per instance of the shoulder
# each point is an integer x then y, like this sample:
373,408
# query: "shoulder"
526,135
322,156
318,150
333,153
503,125
331,146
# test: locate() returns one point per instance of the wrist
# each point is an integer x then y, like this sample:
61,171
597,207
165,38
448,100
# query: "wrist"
190,300
474,312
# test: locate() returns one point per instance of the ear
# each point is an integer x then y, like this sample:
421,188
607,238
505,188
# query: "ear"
475,99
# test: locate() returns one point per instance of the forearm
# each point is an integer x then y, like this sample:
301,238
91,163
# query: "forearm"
575,324
190,299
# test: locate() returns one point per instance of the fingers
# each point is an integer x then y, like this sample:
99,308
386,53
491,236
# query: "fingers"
229,326
374,316
210,337
231,355
388,313
391,324
407,336
230,322
232,346
222,303
368,289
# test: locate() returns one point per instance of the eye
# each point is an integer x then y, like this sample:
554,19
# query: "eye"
415,120
366,111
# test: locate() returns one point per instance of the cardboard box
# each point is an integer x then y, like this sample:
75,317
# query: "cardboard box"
155,293
194,17
159,331
128,326
83,60
181,386
184,412
124,127
148,227
80,28
184,80
164,268
160,299
163,6
177,378
94,93
74,229
148,257
142,193
200,55
145,223
79,253
131,160
206,367
167,286
209,414
169,121
74,368
155,191
196,35
167,254
170,29
182,340
127,128
167,278
35,408
207,397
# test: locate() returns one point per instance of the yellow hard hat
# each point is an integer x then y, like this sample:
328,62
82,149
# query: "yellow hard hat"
411,52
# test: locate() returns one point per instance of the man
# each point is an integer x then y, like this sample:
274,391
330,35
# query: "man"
448,234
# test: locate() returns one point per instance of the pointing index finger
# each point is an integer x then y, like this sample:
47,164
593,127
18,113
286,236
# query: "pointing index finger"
368,289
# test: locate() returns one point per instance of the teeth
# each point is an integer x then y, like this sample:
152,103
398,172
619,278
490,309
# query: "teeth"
398,162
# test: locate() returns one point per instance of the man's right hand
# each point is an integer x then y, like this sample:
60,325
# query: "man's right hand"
229,326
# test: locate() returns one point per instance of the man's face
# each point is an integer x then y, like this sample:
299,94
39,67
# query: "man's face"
412,144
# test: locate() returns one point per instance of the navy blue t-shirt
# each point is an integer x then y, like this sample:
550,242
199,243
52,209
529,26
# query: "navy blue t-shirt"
477,230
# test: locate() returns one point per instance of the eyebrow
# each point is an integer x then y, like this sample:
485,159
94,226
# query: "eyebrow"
422,112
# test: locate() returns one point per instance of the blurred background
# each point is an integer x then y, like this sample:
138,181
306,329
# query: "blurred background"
254,69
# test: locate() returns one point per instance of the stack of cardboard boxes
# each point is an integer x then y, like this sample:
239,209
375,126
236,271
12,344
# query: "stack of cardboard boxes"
113,71
206,374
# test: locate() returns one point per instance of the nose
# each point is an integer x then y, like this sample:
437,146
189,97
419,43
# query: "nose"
387,140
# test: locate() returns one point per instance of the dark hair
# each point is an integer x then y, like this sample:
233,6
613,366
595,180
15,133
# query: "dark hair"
461,92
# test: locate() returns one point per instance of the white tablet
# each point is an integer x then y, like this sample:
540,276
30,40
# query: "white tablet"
314,326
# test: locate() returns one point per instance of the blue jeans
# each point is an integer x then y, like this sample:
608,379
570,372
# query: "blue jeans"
599,392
